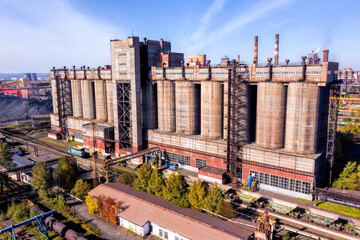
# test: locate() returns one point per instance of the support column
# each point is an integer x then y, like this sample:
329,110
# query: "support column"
270,115
166,106
109,100
87,99
211,110
76,98
100,96
185,107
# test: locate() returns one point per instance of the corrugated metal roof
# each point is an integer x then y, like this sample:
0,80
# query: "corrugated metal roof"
140,207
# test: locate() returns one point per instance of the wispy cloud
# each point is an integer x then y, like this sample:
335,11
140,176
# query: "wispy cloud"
260,10
38,34
211,12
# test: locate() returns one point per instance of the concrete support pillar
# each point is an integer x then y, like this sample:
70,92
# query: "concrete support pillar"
270,115
109,101
87,99
302,118
211,110
100,96
76,98
54,96
185,108
166,106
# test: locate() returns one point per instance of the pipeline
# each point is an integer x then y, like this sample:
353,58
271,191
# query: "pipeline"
60,228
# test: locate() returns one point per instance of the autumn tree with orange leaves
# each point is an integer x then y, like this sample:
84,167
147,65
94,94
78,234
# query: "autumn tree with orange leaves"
108,208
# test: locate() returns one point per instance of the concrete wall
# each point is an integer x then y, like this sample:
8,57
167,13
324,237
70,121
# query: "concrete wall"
125,61
88,99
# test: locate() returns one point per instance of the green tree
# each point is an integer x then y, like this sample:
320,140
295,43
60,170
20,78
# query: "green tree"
342,181
156,183
126,179
353,182
66,172
227,210
176,190
81,189
143,177
197,195
214,199
350,127
42,176
61,204
6,162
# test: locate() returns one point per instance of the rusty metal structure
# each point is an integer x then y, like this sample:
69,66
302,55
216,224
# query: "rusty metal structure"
238,118
332,126
64,100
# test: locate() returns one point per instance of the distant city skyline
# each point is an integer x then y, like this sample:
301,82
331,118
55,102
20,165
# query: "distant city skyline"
39,34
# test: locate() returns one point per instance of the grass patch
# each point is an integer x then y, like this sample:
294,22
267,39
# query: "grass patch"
118,168
346,210
75,143
52,142
308,201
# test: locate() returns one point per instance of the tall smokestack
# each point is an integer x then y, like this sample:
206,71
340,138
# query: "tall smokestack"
276,56
325,55
256,51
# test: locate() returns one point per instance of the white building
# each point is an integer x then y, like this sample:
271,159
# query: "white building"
145,214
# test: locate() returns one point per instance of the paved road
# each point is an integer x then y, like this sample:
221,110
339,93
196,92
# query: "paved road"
107,230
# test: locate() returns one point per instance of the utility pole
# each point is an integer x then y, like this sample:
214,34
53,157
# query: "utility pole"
94,154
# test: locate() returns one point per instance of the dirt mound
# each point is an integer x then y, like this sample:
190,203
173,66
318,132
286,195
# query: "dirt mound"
12,107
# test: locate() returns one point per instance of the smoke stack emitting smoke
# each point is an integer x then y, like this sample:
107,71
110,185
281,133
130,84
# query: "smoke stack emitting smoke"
276,55
256,50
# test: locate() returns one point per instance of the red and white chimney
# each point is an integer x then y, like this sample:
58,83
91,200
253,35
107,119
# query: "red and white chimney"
276,55
256,50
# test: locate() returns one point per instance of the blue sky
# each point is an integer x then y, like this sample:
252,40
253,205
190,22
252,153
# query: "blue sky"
38,34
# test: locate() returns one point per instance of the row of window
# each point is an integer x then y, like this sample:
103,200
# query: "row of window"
200,162
122,73
122,64
282,182
288,72
164,235
122,54
173,157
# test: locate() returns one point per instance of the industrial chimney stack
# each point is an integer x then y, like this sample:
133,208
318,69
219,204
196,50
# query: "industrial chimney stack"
256,51
325,55
276,56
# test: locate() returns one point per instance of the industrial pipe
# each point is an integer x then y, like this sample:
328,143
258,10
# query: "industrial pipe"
270,69
303,63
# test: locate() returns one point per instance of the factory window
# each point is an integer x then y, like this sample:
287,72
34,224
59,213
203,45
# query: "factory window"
166,236
77,135
122,73
122,54
160,233
173,157
176,238
200,162
282,182
122,64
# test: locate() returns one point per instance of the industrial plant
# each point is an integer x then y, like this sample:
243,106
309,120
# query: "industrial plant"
223,121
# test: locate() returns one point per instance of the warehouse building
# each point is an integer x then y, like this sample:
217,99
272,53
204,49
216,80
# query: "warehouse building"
146,214
277,113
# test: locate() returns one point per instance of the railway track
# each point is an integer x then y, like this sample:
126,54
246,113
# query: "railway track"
301,225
